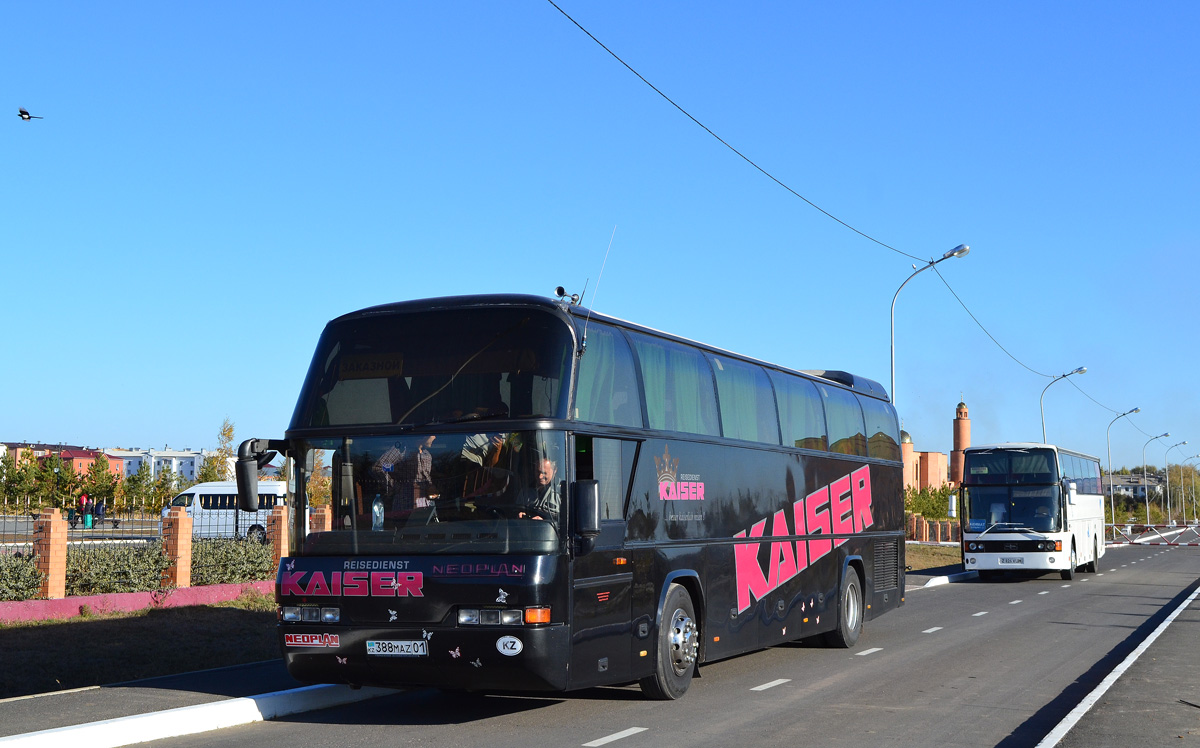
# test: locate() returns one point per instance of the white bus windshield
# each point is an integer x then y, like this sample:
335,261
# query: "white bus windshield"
1033,508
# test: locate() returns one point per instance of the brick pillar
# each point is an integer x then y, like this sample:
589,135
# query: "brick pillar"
913,521
923,530
320,519
937,532
177,537
50,549
278,531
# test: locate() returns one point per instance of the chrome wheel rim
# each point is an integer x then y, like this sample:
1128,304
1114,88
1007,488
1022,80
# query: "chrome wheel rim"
683,641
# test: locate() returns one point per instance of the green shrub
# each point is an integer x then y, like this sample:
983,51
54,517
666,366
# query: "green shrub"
930,503
225,561
19,578
99,569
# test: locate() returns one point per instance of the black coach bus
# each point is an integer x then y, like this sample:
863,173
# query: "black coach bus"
529,496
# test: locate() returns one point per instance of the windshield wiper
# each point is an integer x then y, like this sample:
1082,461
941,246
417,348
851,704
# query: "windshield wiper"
1007,525
490,415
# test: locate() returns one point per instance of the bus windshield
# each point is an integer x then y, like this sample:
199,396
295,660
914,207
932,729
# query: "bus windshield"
486,492
1007,507
445,366
1010,466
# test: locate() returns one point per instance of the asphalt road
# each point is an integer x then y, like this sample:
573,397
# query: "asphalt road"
966,664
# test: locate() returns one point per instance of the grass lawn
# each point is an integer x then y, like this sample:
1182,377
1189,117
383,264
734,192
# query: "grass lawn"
96,650
919,557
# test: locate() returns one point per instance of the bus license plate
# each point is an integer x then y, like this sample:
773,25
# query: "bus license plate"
417,648
1012,560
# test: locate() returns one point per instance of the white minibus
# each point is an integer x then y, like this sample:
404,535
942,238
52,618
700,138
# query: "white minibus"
213,508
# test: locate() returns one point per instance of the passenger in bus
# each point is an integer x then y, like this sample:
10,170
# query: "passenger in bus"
542,500
414,486
998,514
1042,520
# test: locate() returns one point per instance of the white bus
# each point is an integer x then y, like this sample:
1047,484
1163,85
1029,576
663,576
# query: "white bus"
1031,507
213,508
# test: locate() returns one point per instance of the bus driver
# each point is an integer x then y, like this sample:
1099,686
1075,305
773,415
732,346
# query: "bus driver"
542,500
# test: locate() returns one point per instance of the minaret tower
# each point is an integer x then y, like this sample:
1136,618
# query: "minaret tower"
962,440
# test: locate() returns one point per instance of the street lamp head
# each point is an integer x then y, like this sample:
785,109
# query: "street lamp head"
1135,410
1080,370
959,251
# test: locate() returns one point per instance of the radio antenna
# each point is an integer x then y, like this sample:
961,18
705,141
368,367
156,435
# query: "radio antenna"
583,345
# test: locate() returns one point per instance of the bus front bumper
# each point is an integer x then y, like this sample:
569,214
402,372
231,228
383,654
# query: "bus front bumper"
475,659
976,561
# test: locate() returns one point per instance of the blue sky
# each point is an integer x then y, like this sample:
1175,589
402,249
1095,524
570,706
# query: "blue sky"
212,183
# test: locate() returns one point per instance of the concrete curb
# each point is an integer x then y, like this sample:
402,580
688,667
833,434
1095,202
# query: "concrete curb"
190,720
961,576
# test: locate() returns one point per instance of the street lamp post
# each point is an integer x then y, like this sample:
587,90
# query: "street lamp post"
1108,434
1195,457
1145,480
1167,475
959,251
1042,400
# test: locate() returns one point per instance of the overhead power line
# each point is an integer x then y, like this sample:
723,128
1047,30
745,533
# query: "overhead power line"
722,141
779,182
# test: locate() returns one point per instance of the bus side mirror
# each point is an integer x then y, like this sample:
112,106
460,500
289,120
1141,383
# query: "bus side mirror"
252,457
247,484
1071,491
586,510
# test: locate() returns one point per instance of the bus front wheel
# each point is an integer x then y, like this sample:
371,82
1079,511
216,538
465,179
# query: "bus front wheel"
850,613
1069,572
678,645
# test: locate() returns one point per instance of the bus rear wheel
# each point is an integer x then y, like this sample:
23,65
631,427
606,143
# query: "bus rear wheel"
850,613
678,645
1090,567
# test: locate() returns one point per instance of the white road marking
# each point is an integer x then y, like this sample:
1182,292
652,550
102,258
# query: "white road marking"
615,736
1084,706
981,613
772,684
930,631
866,652
1015,602
1044,592
48,693
1066,586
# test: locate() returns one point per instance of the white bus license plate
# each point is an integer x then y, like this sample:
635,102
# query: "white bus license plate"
417,648
1012,560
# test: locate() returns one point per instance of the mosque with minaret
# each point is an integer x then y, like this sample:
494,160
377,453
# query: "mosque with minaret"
930,469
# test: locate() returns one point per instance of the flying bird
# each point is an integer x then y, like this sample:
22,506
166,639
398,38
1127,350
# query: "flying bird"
25,115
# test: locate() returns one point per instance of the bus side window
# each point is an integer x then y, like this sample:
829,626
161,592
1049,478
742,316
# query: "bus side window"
679,387
610,463
607,390
800,412
883,432
207,501
846,432
747,405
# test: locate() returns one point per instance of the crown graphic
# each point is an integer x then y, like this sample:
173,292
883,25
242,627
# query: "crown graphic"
667,468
